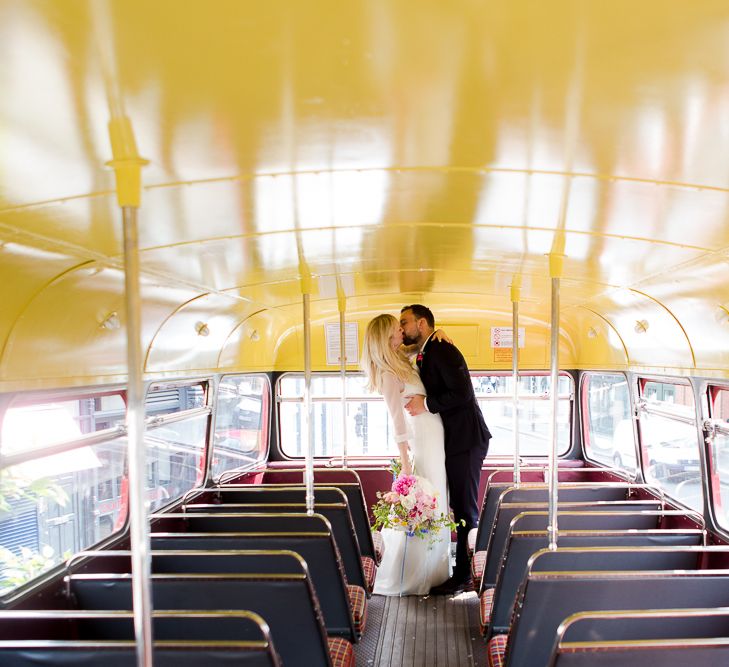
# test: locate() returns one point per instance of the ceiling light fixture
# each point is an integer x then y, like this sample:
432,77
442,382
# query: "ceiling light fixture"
110,322
722,315
641,326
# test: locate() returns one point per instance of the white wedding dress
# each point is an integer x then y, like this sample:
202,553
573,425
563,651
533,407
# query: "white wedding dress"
412,565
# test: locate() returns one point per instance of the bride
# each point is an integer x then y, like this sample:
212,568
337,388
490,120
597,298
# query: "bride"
410,565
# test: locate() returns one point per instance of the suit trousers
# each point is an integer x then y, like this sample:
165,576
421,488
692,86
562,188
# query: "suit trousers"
464,473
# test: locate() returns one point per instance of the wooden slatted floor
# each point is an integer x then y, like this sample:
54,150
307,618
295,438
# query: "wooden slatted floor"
413,631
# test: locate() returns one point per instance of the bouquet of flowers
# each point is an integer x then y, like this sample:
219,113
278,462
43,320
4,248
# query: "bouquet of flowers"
411,506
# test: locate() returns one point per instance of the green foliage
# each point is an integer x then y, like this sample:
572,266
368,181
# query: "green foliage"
14,487
16,570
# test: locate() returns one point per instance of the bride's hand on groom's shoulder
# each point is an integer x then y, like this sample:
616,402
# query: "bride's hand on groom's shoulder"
441,336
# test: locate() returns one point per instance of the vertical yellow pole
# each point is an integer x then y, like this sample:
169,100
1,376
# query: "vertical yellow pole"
308,418
342,303
555,270
515,295
127,166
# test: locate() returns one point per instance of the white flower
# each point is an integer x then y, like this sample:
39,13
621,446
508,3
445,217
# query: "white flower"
408,501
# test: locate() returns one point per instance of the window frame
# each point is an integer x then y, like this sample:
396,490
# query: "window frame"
372,397
266,398
645,407
585,415
107,435
713,424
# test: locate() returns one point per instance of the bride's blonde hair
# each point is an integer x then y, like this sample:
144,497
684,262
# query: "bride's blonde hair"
378,356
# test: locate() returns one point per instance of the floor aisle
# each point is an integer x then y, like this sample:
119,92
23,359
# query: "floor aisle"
411,631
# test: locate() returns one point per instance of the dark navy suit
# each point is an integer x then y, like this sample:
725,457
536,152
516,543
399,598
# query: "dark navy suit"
445,375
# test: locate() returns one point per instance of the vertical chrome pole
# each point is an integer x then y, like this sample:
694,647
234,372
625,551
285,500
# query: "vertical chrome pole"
308,417
515,290
555,263
343,368
139,528
127,166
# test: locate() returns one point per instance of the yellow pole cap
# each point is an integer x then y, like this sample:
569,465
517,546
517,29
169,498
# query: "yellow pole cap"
127,163
305,278
556,265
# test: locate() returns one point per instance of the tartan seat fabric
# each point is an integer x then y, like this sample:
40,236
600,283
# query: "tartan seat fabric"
497,650
478,564
472,540
486,604
358,602
370,570
379,545
341,652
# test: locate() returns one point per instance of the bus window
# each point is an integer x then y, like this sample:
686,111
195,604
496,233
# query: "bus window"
369,428
177,418
608,434
58,504
669,441
241,423
719,453
495,396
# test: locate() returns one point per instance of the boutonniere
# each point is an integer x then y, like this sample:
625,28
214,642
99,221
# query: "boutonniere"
419,358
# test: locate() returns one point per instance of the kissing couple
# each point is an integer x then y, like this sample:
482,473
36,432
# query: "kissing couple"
441,435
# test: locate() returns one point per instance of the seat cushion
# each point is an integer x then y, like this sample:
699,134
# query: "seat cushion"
370,570
472,540
379,545
341,652
486,605
497,650
478,563
358,602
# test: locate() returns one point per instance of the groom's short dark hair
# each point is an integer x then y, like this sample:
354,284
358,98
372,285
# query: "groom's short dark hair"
421,311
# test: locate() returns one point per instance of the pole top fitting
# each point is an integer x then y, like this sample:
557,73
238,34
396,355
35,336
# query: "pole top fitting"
556,264
126,163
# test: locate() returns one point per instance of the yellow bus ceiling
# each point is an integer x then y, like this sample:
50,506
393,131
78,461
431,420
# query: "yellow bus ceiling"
395,151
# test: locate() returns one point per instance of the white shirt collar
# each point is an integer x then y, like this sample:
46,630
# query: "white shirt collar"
425,342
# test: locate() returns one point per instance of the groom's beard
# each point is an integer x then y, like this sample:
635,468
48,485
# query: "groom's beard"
407,340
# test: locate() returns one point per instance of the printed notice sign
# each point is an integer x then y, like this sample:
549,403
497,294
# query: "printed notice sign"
351,343
504,336
503,354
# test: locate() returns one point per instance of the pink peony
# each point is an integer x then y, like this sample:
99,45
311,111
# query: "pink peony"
391,497
403,484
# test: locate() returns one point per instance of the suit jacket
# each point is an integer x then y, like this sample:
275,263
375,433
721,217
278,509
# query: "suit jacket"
445,375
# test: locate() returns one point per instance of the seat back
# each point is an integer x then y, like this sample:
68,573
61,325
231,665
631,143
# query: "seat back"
636,638
286,601
317,549
230,516
347,481
506,511
116,653
240,626
522,546
548,598
506,492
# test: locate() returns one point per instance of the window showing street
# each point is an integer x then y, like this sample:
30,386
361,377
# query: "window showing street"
608,427
670,440
369,431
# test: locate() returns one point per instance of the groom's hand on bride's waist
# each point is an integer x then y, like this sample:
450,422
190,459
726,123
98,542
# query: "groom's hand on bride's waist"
416,405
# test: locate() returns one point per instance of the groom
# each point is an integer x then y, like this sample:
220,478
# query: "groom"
447,382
